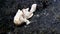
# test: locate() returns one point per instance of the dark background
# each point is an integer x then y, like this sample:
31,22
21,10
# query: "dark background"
46,19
